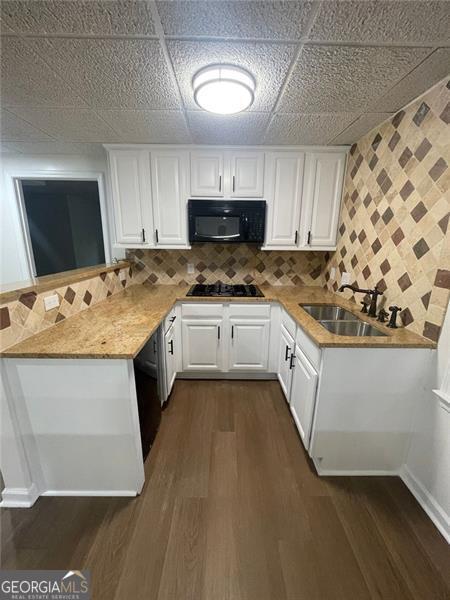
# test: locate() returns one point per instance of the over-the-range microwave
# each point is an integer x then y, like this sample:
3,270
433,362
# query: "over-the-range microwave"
227,221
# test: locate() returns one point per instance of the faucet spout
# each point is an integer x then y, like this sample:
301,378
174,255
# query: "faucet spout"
373,295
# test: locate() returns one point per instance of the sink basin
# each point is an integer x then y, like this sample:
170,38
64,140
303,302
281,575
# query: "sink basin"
328,312
355,328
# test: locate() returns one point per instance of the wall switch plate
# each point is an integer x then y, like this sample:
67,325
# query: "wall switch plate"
333,273
51,302
122,275
190,268
345,278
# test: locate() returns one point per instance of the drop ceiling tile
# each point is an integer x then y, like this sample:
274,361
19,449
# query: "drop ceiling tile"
243,128
383,21
304,129
12,129
250,19
7,148
345,79
148,126
429,72
113,73
27,81
268,63
102,17
69,125
360,127
58,148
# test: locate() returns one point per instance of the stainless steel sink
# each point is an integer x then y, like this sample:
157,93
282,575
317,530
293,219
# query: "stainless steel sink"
355,328
328,312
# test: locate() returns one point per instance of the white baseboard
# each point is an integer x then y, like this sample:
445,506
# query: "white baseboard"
434,510
217,375
19,497
354,473
90,493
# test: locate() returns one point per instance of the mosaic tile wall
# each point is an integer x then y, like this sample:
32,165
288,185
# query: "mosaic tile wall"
26,316
229,264
394,222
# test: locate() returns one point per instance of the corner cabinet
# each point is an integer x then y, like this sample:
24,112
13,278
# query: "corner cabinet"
131,196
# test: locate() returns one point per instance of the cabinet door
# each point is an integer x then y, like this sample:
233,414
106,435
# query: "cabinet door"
325,191
247,174
170,349
249,345
169,175
130,183
207,174
202,345
285,182
303,395
284,361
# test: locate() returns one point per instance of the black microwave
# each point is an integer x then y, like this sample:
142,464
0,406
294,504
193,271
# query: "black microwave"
226,221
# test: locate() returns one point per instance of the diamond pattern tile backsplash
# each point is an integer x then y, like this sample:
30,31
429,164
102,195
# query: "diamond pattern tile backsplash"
230,264
394,221
26,316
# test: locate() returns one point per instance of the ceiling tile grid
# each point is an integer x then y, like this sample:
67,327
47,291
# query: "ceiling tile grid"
93,71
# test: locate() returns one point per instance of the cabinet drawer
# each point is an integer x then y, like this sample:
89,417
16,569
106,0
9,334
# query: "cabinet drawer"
289,323
308,347
249,311
202,310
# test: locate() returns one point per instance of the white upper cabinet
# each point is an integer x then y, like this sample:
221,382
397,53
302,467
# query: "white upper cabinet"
170,192
207,174
284,184
247,174
322,199
132,200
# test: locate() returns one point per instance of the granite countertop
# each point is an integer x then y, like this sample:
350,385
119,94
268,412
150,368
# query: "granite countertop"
119,326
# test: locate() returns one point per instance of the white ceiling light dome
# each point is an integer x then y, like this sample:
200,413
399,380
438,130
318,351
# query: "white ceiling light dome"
223,89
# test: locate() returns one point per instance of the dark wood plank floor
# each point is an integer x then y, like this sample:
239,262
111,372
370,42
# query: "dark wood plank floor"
232,510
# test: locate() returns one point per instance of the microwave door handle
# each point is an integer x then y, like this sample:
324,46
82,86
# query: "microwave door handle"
218,237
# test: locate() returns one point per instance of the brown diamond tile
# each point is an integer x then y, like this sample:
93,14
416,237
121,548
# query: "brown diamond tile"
28,299
4,318
445,114
153,278
343,251
231,273
381,176
376,246
362,236
386,185
353,236
443,223
108,293
397,119
437,169
352,212
431,331
102,277
421,113
171,272
404,282
373,162
354,261
139,253
376,141
59,317
385,266
398,236
87,297
418,211
426,299
342,229
423,149
406,317
353,149
201,266
70,294
116,272
442,279
381,285
367,200
394,140
387,215
420,248
248,279
182,260
366,272
407,190
200,278
375,217
404,156
315,273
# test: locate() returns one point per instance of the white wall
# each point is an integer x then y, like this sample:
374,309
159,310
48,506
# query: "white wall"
13,257
427,469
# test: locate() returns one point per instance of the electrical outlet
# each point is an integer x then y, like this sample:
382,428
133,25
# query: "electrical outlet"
333,273
51,302
345,278
122,274
190,268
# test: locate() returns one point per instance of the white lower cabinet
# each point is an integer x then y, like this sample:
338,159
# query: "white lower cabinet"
202,344
170,350
303,394
286,348
248,348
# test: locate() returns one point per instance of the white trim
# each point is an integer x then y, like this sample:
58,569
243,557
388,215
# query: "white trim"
224,375
16,178
444,399
355,472
19,497
433,509
95,493
192,147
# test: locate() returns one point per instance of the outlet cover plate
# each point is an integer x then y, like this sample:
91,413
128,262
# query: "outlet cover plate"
345,279
51,302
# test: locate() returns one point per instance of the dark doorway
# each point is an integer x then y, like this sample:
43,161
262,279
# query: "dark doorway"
65,225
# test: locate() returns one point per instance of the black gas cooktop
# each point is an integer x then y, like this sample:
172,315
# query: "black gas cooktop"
224,289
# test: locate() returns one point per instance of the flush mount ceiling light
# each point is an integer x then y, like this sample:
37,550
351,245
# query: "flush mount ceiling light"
223,89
